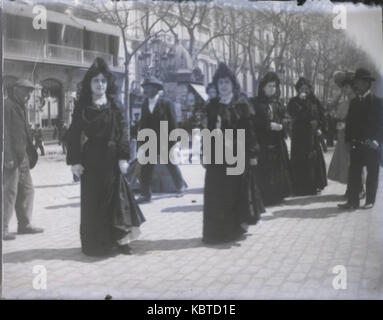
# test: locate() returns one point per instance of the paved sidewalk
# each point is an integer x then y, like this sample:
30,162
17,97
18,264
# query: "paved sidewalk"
290,255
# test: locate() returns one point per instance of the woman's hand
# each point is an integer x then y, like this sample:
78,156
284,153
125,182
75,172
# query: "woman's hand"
275,126
124,165
253,162
77,170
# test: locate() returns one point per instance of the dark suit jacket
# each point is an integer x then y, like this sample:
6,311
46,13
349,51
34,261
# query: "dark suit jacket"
163,111
364,119
17,137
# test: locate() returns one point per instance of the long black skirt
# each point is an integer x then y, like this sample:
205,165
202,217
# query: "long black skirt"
108,211
162,180
230,201
274,175
308,171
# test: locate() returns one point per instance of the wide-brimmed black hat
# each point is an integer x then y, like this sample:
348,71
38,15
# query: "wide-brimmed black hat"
343,78
363,74
154,82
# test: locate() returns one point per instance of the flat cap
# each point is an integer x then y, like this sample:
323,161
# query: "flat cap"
24,83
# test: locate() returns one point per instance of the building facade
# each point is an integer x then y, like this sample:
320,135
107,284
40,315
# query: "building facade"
55,59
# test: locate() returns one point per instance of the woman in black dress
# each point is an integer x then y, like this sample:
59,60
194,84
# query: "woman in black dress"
273,170
230,203
98,152
307,161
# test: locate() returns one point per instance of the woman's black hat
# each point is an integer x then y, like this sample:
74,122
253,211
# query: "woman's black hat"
223,71
301,82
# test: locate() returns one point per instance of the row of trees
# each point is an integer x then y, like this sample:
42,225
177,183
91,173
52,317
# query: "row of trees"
256,40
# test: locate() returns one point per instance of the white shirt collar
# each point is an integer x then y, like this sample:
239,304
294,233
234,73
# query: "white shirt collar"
365,94
153,102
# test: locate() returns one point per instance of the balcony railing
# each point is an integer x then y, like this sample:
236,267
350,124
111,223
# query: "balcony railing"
52,52
89,56
23,48
56,52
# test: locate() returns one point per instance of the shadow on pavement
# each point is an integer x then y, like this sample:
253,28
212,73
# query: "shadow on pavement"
68,205
55,185
191,208
194,191
64,254
142,247
314,199
313,213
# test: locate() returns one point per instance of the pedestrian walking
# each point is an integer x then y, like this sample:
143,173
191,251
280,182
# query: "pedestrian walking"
62,138
20,156
229,202
154,110
331,128
39,140
364,133
307,162
340,161
273,170
110,216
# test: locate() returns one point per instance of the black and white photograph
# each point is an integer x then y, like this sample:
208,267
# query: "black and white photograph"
191,150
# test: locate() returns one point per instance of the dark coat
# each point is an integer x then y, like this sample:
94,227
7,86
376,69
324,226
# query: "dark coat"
102,206
112,136
230,200
273,170
364,119
307,160
163,111
17,136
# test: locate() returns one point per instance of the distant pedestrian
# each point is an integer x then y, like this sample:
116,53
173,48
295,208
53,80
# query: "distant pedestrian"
211,91
307,161
331,128
19,157
62,138
154,110
39,142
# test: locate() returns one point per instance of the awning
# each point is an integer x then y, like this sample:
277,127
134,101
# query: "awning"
201,91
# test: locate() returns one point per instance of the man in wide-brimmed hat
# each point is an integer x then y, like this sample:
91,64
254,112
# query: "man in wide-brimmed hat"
19,156
364,133
154,110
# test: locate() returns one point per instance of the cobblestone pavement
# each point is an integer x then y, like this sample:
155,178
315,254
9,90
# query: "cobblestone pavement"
288,255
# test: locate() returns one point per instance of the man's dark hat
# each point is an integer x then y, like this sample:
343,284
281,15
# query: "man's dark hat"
343,78
363,74
24,83
153,81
